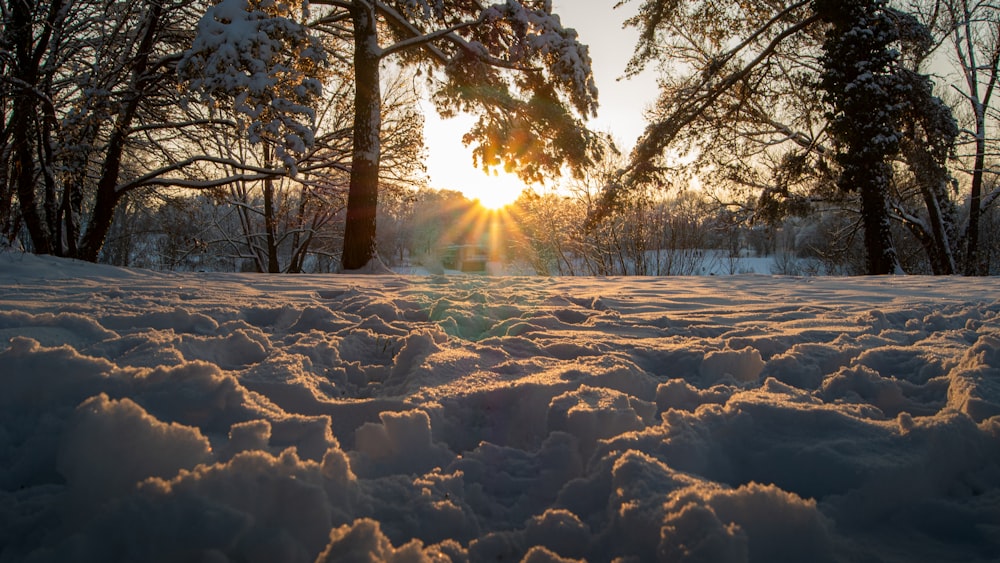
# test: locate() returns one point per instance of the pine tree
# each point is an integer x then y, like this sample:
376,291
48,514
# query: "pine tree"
865,93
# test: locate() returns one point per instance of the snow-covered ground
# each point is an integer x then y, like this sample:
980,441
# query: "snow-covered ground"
223,417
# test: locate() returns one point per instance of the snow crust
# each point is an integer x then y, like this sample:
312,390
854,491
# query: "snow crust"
226,417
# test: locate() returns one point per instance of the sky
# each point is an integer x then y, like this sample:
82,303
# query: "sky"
622,103
216,417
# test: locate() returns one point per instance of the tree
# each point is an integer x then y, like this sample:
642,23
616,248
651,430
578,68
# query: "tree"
547,234
93,115
752,91
928,133
285,219
512,63
864,93
741,70
973,29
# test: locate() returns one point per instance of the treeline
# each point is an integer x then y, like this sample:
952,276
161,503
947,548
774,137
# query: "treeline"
269,137
660,233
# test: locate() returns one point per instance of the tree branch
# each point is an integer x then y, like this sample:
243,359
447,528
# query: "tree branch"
660,134
154,177
420,39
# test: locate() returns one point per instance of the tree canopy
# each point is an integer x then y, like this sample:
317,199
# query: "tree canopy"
770,95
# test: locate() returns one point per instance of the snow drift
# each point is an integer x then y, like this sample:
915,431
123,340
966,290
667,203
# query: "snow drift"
224,417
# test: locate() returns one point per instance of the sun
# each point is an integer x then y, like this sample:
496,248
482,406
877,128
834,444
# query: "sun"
479,238
494,191
450,164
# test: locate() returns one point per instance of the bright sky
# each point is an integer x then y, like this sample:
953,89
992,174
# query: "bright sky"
622,103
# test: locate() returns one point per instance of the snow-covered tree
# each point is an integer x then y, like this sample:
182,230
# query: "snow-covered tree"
865,94
736,85
257,57
746,91
81,74
93,115
512,63
284,220
928,133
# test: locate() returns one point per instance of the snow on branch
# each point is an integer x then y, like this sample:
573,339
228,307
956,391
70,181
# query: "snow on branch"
419,39
710,86
536,34
199,184
254,55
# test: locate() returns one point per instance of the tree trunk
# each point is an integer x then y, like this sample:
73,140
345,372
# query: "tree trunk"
270,220
931,177
8,222
972,265
50,201
69,226
104,204
942,259
108,196
879,249
24,169
24,106
362,197
270,225
863,85
965,36
301,240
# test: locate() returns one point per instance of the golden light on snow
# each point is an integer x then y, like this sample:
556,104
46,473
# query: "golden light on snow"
576,418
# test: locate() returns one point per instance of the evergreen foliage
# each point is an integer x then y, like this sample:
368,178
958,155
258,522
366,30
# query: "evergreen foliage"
866,95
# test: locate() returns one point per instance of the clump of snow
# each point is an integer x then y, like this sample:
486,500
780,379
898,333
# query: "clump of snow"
235,417
742,365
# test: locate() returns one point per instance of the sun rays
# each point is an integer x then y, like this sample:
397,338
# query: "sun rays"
483,234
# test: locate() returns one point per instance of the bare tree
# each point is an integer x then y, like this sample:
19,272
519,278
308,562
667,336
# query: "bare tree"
973,29
283,219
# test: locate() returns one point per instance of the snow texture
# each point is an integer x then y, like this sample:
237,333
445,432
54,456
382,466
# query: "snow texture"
229,417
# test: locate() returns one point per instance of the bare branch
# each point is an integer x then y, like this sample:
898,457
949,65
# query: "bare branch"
660,134
155,177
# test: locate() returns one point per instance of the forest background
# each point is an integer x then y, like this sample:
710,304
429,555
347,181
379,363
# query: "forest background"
195,136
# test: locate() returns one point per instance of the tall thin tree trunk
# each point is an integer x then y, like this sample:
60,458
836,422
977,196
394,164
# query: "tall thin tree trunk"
302,238
362,197
972,265
24,107
942,260
108,196
51,201
931,176
24,169
270,225
965,37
